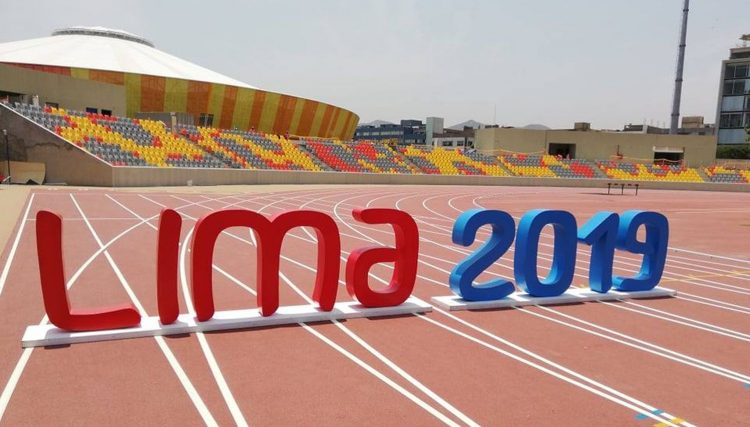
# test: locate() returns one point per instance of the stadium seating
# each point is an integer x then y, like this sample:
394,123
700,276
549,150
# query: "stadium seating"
359,156
121,141
727,175
536,165
451,161
641,172
250,150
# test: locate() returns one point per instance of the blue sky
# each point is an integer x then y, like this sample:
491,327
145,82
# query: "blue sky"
549,62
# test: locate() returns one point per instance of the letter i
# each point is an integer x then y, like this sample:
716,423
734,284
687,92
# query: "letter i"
167,253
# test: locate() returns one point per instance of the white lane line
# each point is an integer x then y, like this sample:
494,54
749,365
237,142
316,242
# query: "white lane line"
738,376
708,327
15,376
705,365
388,266
716,303
644,345
672,275
176,367
542,256
226,393
462,251
356,360
101,218
639,410
12,382
632,406
705,326
744,261
648,407
434,412
408,377
12,253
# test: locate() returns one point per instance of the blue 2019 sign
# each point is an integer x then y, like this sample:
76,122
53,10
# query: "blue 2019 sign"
604,232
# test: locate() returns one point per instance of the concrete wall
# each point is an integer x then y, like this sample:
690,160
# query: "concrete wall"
65,163
69,92
145,177
23,172
593,145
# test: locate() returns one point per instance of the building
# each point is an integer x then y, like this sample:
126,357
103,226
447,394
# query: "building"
589,144
113,72
407,132
414,132
459,136
733,107
691,125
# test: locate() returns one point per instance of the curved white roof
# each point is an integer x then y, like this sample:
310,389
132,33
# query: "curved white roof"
101,48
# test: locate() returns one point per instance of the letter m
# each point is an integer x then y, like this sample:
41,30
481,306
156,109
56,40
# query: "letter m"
270,234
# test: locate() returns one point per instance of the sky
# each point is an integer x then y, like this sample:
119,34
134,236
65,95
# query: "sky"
549,62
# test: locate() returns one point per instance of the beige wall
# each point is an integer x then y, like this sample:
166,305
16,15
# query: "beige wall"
592,145
67,91
147,177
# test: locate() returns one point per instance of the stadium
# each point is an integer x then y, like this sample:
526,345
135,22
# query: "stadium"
110,133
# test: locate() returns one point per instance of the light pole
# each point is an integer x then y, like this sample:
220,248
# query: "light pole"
7,153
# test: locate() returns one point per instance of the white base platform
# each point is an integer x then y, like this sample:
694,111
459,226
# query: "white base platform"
47,334
517,299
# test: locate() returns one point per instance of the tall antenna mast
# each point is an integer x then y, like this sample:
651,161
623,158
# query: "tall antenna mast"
678,74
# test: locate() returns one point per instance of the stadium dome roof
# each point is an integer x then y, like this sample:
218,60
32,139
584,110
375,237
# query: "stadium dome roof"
100,48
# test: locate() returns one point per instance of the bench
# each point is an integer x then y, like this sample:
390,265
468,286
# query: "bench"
622,186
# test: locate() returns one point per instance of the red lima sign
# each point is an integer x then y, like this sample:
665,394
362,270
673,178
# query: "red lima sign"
270,234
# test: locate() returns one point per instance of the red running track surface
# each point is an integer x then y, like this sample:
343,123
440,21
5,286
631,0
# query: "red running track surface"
676,361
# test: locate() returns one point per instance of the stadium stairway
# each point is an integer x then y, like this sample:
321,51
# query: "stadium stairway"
321,164
359,156
441,161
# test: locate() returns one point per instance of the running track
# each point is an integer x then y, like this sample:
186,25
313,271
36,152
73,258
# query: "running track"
677,361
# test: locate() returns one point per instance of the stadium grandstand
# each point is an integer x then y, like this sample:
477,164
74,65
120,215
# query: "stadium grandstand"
131,109
133,142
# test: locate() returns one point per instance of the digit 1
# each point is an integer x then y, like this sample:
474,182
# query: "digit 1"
600,232
527,245
653,248
464,232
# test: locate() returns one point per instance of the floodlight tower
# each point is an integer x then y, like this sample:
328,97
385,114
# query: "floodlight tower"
678,75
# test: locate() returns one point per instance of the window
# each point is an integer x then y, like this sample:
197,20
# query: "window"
52,104
733,120
732,136
567,151
447,143
92,110
732,103
736,87
106,112
206,120
737,71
